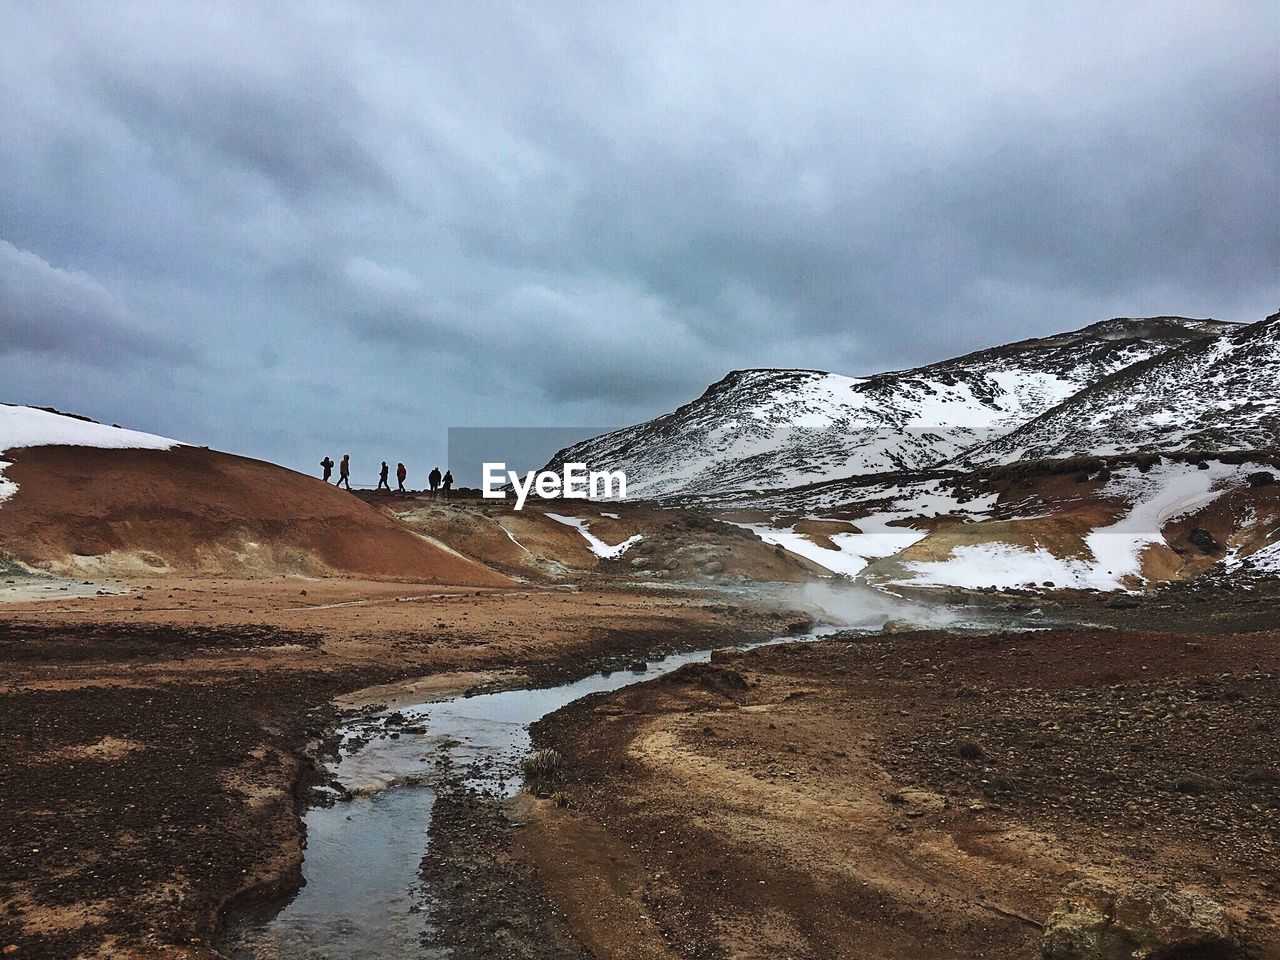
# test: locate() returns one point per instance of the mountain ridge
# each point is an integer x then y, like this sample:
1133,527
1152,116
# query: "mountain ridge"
771,428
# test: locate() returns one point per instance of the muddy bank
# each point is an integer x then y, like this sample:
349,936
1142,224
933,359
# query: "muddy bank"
1227,605
152,752
921,794
490,902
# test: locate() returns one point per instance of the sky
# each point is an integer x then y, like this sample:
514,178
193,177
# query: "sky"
297,229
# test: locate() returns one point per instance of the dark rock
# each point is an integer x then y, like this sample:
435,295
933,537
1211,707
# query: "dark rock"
1205,540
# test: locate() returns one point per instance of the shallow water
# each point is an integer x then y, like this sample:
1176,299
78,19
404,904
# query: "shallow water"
362,897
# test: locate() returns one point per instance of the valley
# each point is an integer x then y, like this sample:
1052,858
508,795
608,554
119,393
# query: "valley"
1019,690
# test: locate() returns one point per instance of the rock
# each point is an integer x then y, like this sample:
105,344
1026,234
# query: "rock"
1205,540
901,626
1192,786
639,562
1263,478
1094,921
713,567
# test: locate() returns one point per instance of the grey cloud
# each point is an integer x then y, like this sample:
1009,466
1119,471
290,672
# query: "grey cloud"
540,214
49,310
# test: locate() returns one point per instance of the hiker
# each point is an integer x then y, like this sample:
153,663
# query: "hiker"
401,473
327,464
434,479
382,478
344,471
447,482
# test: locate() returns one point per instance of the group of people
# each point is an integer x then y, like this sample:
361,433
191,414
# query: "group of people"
435,479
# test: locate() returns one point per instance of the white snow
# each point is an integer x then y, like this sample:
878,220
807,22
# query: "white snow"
611,516
1166,492
598,547
29,427
853,550
1266,560
512,537
7,487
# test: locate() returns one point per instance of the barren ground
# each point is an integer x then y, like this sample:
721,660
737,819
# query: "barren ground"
154,741
914,795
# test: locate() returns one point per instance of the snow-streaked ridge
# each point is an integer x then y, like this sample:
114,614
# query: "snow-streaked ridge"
776,429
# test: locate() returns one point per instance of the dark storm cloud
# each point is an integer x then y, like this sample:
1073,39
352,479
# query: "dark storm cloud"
546,214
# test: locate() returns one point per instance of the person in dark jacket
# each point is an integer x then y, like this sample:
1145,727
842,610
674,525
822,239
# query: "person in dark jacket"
344,471
401,473
382,478
433,479
327,464
447,482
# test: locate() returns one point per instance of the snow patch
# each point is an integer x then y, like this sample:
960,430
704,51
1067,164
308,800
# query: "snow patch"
1165,493
601,549
853,550
29,427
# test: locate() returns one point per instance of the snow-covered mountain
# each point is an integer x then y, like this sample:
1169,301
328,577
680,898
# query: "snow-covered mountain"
769,429
1208,395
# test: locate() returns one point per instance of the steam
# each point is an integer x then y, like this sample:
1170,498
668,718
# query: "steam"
849,604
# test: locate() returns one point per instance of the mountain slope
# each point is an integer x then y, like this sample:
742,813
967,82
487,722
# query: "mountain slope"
766,429
84,499
1211,395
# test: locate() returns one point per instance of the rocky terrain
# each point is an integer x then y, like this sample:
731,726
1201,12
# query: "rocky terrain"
157,742
926,794
182,628
1207,395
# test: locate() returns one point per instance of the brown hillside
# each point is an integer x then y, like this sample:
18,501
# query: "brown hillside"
85,511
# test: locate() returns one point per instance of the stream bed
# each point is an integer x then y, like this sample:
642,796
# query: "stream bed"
362,897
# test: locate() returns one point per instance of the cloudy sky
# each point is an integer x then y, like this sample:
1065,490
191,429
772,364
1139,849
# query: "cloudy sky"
304,228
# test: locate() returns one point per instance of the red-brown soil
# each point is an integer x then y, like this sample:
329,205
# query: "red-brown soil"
93,512
917,795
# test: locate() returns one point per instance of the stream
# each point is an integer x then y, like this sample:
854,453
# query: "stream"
362,897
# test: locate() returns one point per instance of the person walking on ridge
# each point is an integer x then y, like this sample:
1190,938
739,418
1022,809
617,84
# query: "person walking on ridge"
344,471
327,464
401,473
382,478
447,482
433,478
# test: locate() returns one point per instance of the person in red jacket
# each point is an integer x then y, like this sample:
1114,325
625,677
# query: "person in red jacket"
401,473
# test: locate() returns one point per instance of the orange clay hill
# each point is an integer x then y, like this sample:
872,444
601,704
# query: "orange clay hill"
83,499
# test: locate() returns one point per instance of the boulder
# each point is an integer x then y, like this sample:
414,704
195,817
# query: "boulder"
1205,540
1096,921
